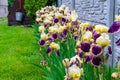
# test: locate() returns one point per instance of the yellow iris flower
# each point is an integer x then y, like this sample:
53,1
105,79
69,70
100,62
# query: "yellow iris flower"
101,28
74,72
103,40
87,36
117,18
41,28
44,36
55,46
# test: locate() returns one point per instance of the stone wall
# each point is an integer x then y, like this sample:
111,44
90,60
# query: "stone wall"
92,10
68,3
117,35
98,12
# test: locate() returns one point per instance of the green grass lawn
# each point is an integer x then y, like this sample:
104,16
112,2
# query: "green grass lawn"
18,49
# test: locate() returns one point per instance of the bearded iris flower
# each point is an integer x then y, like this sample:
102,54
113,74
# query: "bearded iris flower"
56,20
87,36
54,35
85,46
103,40
101,28
49,50
96,61
41,42
88,58
96,50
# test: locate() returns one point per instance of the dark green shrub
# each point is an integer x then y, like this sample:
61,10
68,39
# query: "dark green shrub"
10,3
31,6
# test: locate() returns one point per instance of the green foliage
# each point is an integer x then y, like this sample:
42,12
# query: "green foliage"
10,3
31,6
55,69
50,2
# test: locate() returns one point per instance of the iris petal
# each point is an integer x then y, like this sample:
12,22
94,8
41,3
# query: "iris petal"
49,50
118,42
96,61
89,28
41,42
96,50
109,50
96,35
55,35
85,46
58,53
88,58
115,27
56,20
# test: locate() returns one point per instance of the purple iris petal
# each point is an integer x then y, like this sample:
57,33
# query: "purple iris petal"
71,64
56,20
88,58
75,37
50,39
55,35
96,61
96,50
80,54
75,23
41,42
67,21
63,19
115,27
96,35
49,50
109,50
85,46
89,28
64,32
58,53
118,42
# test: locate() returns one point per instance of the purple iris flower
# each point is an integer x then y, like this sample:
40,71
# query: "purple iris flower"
49,50
115,27
50,39
109,50
89,28
75,23
58,53
96,50
67,21
85,46
95,35
118,42
64,32
80,54
55,35
88,58
96,61
63,20
56,20
41,42
75,37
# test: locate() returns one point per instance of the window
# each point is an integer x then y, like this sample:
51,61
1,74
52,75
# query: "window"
5,10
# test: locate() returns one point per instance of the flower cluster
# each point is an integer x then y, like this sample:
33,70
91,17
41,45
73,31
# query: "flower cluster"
56,24
92,43
115,27
74,70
